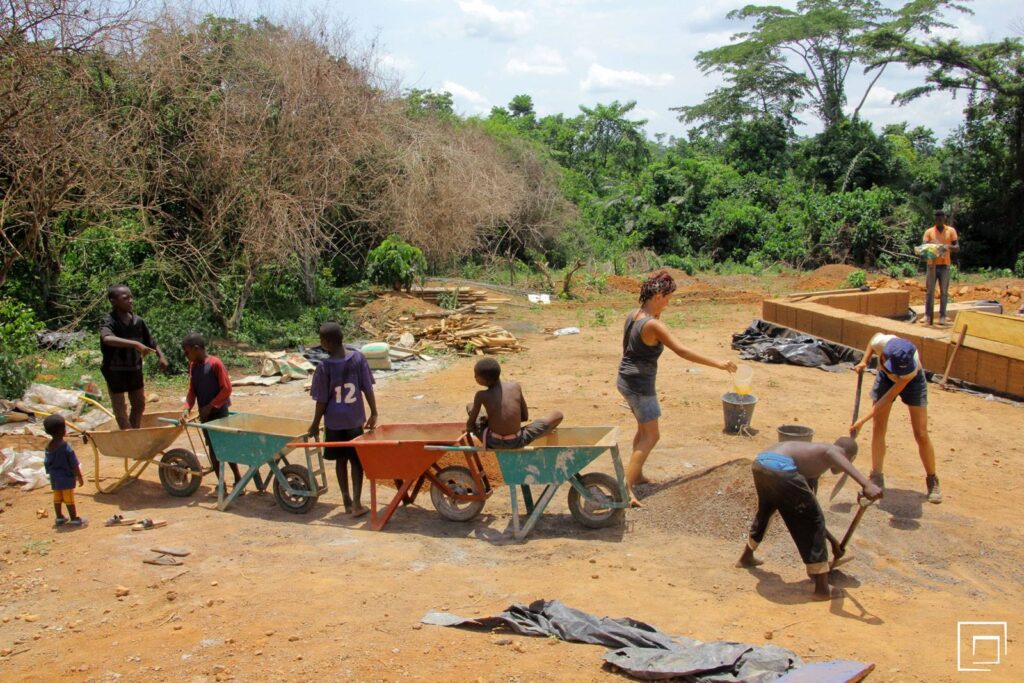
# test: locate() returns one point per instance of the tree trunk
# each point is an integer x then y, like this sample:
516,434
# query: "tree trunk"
307,268
236,317
547,275
568,278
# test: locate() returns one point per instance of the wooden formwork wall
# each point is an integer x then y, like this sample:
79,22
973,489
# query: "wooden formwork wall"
992,357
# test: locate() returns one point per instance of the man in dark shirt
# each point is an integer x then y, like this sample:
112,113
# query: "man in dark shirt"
124,341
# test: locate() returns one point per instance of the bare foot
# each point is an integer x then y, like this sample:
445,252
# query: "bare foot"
634,502
359,511
822,591
747,559
645,480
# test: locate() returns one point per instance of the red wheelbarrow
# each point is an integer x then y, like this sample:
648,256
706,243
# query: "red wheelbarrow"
397,452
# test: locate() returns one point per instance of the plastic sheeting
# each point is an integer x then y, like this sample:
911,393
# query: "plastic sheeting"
640,649
23,467
769,343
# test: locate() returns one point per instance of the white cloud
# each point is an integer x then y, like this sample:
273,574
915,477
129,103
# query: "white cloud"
640,114
537,61
585,53
603,79
396,62
487,21
477,102
965,30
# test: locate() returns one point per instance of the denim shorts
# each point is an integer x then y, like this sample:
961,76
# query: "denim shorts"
644,406
914,394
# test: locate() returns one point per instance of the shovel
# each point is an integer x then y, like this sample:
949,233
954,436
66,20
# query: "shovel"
856,411
841,557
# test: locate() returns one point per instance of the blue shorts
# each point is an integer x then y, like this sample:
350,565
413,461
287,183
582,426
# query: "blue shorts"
644,406
914,394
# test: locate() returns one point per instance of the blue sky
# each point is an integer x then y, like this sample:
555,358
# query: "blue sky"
566,53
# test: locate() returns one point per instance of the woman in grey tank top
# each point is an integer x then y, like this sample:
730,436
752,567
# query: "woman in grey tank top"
644,337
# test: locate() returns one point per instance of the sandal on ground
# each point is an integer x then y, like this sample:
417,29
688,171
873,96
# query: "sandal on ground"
148,524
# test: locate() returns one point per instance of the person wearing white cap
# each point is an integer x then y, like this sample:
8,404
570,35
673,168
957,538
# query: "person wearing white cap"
899,374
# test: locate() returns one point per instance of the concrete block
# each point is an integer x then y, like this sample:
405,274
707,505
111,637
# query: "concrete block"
902,304
881,303
993,371
965,366
805,320
828,325
857,331
935,354
769,311
1015,378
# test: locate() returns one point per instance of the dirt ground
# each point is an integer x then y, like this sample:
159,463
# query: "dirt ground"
269,595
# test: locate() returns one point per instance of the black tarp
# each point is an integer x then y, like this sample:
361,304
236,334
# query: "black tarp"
639,649
769,343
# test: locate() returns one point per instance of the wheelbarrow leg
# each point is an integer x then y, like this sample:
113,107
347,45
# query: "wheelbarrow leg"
527,497
402,495
538,510
222,502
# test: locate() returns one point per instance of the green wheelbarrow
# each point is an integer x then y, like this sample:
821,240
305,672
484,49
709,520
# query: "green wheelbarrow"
256,441
596,499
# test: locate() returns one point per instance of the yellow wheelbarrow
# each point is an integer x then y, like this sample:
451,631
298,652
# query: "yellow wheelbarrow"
180,471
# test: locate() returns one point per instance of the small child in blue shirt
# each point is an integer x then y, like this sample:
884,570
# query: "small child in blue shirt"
61,465
339,385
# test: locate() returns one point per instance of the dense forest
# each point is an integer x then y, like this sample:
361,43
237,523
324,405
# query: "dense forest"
237,173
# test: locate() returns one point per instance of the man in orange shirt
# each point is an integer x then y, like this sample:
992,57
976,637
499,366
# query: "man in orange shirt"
938,268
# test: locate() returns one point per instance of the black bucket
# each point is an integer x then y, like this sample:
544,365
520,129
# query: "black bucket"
795,433
738,409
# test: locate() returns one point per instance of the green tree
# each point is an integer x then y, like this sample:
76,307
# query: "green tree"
986,165
795,58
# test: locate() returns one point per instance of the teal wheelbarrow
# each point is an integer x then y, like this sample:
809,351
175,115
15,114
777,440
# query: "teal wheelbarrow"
596,499
257,441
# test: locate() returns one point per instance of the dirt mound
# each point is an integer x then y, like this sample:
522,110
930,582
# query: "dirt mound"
698,291
623,283
831,276
390,307
718,502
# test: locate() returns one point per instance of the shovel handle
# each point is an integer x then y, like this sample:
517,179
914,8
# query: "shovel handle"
856,403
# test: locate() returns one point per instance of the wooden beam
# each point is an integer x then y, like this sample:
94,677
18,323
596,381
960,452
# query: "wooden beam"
1006,329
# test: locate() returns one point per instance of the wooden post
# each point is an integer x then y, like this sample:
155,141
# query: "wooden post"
956,347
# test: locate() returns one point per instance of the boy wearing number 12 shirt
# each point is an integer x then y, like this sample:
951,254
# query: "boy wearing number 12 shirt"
339,384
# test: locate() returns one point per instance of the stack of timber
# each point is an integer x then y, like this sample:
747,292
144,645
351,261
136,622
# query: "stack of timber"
456,331
466,295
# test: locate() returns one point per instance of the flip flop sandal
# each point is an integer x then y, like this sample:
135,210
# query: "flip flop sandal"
60,521
177,552
81,521
163,561
120,520
147,524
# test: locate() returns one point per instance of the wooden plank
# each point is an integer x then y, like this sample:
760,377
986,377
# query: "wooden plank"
839,671
1008,350
1005,329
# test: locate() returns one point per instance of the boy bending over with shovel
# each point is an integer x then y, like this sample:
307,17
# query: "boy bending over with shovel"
782,477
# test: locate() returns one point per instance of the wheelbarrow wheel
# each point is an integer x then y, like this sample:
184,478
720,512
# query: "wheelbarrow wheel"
180,473
298,478
603,487
460,481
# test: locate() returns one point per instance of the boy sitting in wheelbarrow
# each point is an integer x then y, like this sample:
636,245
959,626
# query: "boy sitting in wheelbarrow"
782,477
506,411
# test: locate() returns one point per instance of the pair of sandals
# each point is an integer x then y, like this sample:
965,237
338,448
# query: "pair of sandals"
64,521
140,525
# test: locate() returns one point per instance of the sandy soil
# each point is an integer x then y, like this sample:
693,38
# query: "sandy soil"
269,595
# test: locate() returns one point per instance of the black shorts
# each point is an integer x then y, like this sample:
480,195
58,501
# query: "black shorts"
123,381
341,452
